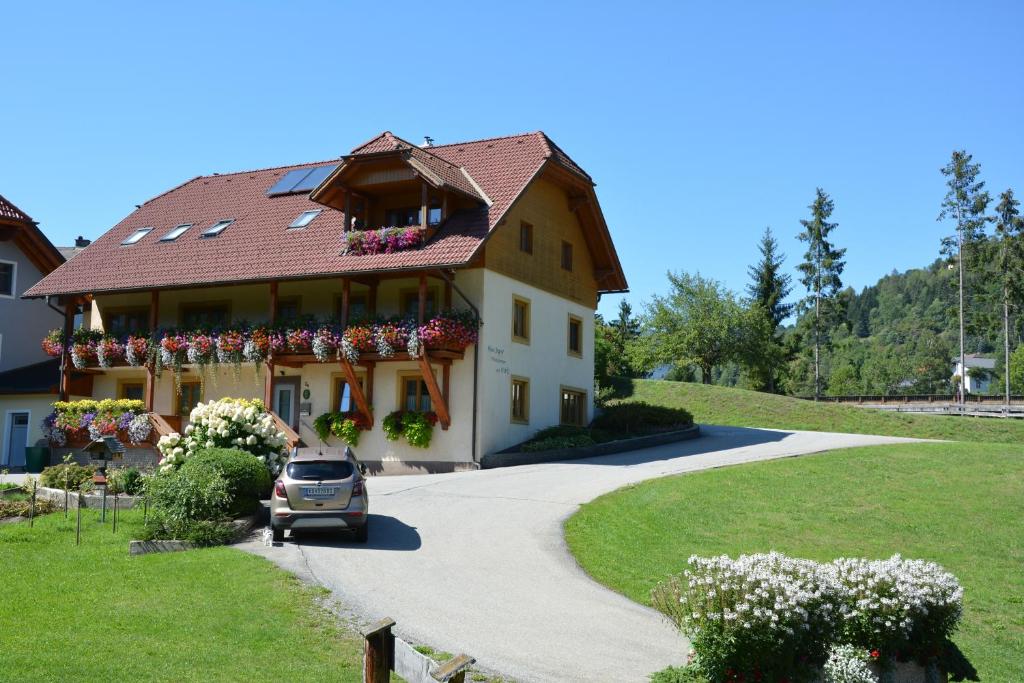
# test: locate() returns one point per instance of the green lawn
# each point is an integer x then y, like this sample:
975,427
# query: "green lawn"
727,406
961,505
94,613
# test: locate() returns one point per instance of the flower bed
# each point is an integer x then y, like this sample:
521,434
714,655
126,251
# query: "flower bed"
382,241
325,339
78,422
772,617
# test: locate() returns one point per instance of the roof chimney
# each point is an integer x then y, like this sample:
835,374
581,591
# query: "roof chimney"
81,242
428,141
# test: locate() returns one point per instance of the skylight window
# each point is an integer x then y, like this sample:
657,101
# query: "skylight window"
176,232
217,228
304,219
137,235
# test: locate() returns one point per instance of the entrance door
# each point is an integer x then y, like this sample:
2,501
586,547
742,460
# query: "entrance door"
17,439
286,400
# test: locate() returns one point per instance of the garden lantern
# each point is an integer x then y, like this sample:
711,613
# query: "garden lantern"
104,449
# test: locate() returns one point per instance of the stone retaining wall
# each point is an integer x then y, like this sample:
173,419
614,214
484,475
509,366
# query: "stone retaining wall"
142,457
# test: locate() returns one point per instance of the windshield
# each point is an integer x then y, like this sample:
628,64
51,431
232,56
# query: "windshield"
318,470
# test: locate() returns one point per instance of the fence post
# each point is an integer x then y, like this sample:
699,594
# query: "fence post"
379,652
78,520
32,509
454,670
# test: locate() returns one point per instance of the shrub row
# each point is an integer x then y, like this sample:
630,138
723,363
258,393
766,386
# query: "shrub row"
638,417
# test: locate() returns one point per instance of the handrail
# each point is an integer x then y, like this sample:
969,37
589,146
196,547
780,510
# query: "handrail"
161,427
292,437
917,398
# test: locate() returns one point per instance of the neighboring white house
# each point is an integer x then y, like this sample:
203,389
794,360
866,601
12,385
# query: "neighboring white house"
506,228
979,373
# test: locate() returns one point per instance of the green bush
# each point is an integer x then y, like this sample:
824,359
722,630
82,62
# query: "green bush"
185,502
637,417
247,478
678,674
127,480
54,477
554,442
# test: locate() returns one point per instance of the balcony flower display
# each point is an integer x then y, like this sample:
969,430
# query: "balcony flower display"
83,347
382,241
109,351
201,347
136,350
300,339
173,348
361,337
457,330
325,343
388,337
278,341
78,421
230,347
227,423
53,343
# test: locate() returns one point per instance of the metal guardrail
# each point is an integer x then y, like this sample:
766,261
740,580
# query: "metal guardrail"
976,399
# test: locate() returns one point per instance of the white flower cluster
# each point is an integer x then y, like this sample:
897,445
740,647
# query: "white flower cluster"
78,361
348,350
413,346
322,347
848,664
253,353
227,423
133,358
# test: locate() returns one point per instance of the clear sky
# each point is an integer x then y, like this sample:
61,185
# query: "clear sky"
701,123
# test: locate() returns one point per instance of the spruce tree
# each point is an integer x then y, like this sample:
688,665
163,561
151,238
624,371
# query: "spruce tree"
965,202
1010,263
770,286
821,270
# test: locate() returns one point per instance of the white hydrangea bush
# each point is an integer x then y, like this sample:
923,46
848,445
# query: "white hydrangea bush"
227,423
772,616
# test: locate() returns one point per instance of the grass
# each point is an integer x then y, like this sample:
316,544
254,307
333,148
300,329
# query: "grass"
961,505
728,406
94,613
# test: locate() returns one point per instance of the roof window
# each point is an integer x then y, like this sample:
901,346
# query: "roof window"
300,180
304,219
217,228
176,232
137,235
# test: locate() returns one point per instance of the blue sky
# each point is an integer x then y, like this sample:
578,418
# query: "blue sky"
701,123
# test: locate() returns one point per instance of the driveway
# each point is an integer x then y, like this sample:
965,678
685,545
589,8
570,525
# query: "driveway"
475,562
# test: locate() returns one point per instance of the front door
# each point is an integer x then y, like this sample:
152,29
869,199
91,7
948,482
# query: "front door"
17,439
286,400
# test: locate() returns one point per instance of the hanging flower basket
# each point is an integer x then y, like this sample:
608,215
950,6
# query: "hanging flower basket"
109,352
136,351
325,343
53,343
300,340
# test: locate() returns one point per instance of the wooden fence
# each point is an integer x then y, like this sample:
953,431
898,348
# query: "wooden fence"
982,399
384,652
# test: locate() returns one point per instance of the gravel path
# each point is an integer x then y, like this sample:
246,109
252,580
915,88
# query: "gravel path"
476,562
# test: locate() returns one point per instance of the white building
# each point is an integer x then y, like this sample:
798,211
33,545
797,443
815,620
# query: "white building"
979,373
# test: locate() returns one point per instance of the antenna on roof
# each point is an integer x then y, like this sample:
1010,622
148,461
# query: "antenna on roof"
428,141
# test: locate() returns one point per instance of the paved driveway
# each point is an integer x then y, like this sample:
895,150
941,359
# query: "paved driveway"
475,562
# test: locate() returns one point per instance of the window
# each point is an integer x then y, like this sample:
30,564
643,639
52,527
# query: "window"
575,344
358,307
205,315
126,321
574,407
131,389
399,218
342,399
8,278
566,256
217,228
411,302
304,219
526,238
520,320
434,215
412,393
288,309
191,395
520,400
136,236
176,232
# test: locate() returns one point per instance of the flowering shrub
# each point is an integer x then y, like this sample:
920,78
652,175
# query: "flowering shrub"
382,241
849,664
346,426
227,423
93,419
417,427
771,616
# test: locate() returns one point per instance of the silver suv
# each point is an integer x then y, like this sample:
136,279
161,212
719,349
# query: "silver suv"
320,491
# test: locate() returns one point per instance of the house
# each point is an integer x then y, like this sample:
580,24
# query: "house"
980,371
506,232
28,378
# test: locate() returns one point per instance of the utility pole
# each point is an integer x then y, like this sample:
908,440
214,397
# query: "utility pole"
960,262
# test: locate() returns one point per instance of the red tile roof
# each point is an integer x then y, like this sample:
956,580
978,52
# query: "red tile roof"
11,212
257,246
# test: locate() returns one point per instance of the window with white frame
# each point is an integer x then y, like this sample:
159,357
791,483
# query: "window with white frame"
8,278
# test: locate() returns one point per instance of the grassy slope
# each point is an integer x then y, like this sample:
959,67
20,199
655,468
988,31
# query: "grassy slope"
726,406
93,613
961,505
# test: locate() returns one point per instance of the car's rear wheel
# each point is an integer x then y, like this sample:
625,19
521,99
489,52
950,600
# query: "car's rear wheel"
278,534
363,532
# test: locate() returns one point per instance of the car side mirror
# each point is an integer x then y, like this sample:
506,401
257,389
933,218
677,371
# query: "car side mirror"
362,469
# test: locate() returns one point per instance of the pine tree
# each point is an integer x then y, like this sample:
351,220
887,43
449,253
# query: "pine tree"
821,270
622,333
965,202
1010,262
768,290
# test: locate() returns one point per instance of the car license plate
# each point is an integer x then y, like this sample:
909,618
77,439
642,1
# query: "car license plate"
319,492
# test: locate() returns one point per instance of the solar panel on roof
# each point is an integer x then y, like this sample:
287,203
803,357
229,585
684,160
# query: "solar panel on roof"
315,177
300,180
